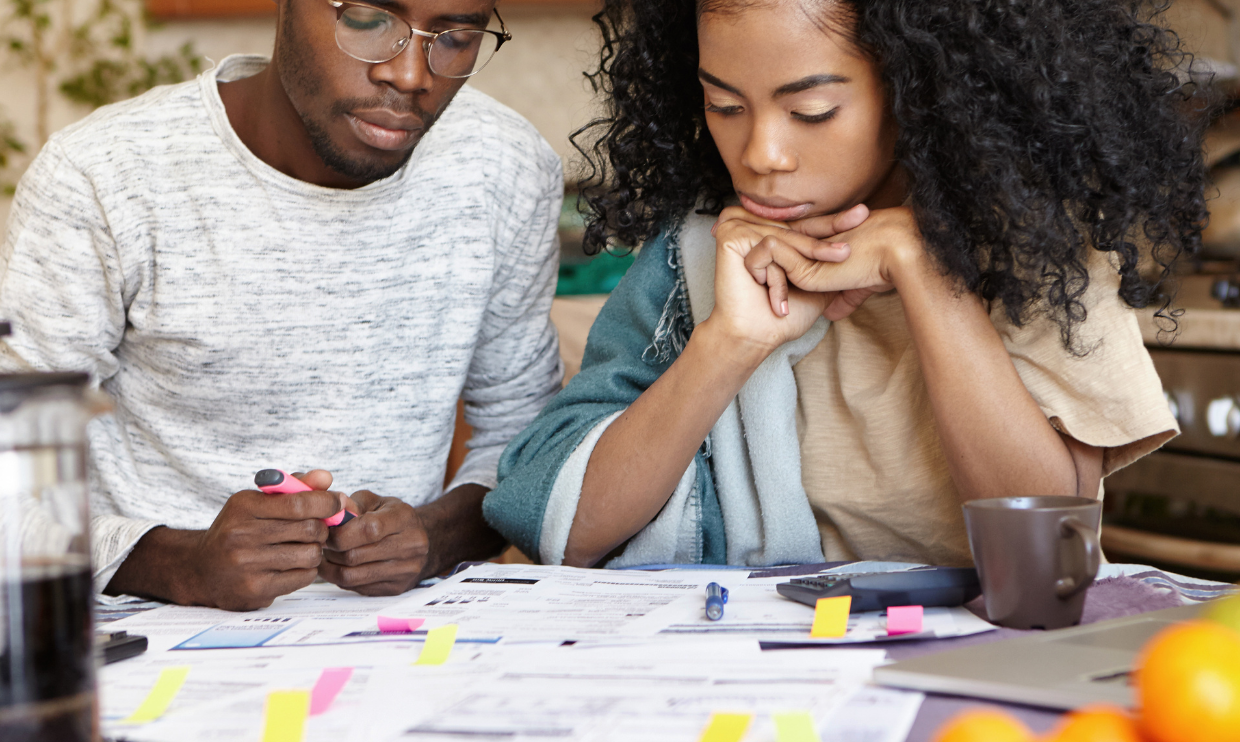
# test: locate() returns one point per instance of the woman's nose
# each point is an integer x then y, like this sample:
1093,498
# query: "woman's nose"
768,149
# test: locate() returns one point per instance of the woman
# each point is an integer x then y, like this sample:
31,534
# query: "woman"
960,193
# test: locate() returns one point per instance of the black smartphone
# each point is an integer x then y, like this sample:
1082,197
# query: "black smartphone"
119,645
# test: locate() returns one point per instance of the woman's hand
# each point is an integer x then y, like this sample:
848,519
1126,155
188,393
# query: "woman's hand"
883,250
745,310
813,231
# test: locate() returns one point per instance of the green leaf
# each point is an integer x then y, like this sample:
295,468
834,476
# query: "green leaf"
124,38
9,143
101,84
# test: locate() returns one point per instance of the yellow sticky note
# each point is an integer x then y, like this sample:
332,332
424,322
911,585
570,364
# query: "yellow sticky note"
285,716
726,728
831,617
157,701
795,726
438,645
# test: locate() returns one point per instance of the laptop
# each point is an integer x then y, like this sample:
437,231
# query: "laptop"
1062,669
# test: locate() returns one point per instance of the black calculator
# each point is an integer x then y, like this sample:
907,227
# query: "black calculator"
877,591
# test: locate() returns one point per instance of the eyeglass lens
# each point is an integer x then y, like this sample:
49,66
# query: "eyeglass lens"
373,35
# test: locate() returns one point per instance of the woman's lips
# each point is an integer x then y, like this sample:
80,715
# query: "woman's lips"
381,137
775,213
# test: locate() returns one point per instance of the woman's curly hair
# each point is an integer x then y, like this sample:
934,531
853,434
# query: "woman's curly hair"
1031,131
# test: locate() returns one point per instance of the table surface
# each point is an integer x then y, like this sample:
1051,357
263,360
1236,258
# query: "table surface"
1136,592
1112,597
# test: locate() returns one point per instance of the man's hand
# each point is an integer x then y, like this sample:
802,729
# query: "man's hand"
391,547
259,548
383,551
262,546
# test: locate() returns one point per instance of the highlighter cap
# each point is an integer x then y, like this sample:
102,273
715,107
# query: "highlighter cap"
268,478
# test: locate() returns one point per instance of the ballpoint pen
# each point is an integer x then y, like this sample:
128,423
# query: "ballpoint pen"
716,596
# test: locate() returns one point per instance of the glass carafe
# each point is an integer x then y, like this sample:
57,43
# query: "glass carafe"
47,664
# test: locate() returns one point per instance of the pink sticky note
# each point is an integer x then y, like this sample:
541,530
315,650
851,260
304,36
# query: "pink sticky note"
399,625
904,619
329,685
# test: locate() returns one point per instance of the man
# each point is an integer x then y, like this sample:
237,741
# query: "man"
285,265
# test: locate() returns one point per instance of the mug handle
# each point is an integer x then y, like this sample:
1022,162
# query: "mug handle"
1069,527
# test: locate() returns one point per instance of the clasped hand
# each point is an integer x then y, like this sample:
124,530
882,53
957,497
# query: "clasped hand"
263,546
827,265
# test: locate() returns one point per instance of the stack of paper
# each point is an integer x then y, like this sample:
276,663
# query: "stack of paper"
531,603
515,652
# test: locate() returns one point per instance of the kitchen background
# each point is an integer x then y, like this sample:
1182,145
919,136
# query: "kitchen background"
1179,508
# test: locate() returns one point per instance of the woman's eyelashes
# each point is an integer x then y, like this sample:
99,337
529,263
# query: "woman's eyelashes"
805,118
815,118
724,110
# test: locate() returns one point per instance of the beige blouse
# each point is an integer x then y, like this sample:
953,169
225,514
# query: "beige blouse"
872,464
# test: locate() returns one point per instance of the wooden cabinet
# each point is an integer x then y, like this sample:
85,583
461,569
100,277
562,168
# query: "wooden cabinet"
176,9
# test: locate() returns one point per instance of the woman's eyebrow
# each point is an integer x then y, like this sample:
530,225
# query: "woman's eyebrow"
807,83
707,77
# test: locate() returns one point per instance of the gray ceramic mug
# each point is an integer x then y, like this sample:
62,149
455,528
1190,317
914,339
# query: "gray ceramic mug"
1035,556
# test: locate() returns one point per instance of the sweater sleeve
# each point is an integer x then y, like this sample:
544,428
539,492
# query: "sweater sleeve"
516,367
61,279
63,288
614,372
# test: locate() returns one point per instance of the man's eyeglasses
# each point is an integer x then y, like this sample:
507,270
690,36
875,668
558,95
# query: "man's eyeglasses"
371,35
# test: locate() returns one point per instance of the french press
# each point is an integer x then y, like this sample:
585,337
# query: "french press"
47,679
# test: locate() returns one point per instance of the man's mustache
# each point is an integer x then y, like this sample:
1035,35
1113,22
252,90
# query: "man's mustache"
395,103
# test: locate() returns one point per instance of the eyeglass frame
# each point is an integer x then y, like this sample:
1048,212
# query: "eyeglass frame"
430,37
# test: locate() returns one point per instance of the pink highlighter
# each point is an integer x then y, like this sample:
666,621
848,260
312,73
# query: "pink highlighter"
277,482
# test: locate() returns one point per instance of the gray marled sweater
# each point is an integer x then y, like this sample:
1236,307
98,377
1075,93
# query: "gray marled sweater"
243,319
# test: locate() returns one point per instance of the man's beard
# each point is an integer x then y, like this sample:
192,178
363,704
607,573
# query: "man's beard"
296,70
359,169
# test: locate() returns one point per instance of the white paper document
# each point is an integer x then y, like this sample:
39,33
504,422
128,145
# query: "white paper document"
664,689
239,716
758,611
541,653
319,614
534,603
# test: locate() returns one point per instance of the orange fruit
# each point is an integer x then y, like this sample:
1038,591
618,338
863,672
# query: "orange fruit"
1226,611
1188,684
1097,724
984,725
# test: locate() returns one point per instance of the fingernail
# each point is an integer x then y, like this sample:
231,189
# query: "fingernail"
713,227
783,308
